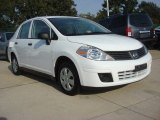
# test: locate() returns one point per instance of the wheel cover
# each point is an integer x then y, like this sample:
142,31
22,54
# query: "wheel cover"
15,65
67,79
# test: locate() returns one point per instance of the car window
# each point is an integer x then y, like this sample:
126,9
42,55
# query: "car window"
38,27
2,37
140,20
105,22
9,35
120,21
24,31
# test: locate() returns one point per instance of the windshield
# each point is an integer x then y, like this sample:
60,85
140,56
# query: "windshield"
140,20
77,26
9,35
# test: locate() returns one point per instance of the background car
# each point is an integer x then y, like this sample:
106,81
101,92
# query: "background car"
4,41
157,31
136,25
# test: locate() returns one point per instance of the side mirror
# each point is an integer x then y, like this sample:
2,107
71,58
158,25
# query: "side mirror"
45,36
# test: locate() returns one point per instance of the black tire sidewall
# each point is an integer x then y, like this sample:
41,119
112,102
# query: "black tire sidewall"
18,70
72,68
7,54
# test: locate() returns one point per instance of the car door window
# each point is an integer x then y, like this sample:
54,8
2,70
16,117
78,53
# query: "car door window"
24,31
38,27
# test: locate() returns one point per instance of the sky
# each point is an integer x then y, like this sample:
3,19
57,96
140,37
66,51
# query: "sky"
93,6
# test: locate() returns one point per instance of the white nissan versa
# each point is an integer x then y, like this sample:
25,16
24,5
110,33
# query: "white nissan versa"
77,52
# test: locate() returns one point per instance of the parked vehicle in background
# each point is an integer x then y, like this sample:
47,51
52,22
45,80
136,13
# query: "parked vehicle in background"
157,31
77,52
4,41
136,25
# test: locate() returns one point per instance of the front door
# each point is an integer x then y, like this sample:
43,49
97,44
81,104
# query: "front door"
40,54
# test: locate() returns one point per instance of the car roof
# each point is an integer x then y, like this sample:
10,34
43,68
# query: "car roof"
47,17
117,15
54,17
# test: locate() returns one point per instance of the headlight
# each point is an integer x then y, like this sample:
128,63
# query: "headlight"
93,53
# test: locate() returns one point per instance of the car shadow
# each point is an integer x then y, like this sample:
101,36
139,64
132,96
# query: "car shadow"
39,78
91,90
53,83
3,118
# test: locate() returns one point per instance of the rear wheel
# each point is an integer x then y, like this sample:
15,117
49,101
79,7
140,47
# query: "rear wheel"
68,78
15,66
7,54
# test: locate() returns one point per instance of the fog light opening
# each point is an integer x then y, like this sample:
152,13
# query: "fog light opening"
105,77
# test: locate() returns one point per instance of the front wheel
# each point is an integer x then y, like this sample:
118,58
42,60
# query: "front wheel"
68,78
15,66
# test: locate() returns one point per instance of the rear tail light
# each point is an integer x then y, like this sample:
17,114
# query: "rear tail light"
153,31
129,31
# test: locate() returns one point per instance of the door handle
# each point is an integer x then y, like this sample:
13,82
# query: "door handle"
29,44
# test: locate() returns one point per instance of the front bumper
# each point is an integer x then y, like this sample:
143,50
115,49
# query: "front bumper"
122,71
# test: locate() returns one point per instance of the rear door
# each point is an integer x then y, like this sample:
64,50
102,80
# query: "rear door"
40,54
21,44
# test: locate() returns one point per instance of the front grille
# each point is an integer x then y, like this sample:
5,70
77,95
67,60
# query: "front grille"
125,75
127,55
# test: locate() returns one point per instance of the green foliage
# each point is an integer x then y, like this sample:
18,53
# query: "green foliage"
88,16
130,6
117,7
14,12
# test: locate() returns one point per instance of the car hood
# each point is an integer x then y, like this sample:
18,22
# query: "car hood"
108,42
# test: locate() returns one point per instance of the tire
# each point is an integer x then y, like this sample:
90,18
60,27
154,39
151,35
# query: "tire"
7,54
68,78
15,66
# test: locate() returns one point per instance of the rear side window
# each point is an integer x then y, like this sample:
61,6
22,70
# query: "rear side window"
140,20
24,31
105,22
117,22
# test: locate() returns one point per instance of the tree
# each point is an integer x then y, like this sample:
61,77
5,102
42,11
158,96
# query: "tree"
88,16
14,12
116,7
152,9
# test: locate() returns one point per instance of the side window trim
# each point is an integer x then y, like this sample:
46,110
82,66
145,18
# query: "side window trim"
30,30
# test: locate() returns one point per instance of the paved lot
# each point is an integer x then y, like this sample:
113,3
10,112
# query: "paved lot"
29,97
